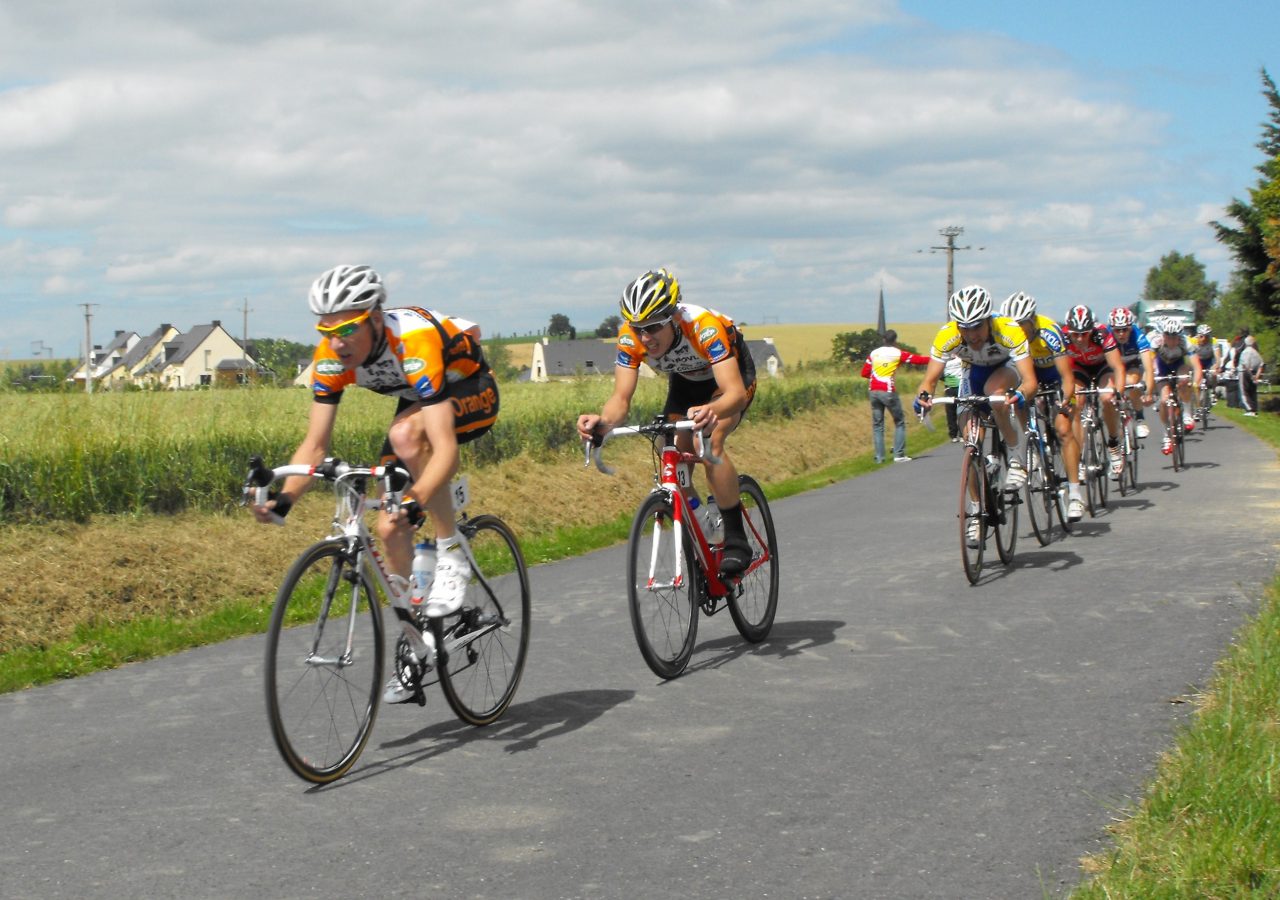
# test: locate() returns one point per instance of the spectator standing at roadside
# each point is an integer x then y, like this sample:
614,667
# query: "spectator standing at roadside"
952,372
880,367
1250,369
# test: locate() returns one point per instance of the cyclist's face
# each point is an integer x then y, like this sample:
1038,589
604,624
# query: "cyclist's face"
1079,338
656,337
354,348
975,335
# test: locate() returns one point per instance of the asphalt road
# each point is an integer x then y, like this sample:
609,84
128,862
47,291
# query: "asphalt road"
900,734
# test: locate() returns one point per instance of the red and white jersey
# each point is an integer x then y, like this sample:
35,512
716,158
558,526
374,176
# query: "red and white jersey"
883,363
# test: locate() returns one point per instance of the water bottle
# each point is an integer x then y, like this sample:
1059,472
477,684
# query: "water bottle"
714,527
424,569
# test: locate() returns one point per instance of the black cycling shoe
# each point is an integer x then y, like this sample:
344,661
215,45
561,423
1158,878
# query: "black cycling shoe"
736,557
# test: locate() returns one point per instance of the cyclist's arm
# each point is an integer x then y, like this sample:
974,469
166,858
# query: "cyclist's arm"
1149,371
311,452
1028,381
1198,369
733,393
1067,373
932,373
616,408
1118,381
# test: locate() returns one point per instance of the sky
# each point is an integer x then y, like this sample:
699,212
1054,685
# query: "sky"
173,161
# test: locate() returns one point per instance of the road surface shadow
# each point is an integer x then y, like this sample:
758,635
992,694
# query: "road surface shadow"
785,639
522,727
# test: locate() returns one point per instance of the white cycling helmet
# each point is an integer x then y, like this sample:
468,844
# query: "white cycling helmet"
1019,306
1121,317
346,289
1203,330
969,305
1171,325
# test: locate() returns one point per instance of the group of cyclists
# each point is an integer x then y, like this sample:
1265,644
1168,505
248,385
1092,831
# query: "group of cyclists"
1030,357
433,364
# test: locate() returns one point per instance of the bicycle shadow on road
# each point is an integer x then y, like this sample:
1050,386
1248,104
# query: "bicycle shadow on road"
1044,558
523,727
1160,485
1130,503
785,639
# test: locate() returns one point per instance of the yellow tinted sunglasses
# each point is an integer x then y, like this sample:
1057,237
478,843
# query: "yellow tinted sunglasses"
344,329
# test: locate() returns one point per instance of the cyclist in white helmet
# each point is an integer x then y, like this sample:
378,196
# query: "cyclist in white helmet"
433,364
997,361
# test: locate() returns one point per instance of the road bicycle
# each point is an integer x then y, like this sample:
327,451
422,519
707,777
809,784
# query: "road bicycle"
673,567
325,644
984,504
1175,427
1130,443
1046,485
1095,463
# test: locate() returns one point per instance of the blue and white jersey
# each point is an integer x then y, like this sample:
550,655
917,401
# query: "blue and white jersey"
1137,344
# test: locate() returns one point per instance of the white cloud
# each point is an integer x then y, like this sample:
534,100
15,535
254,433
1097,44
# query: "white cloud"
528,157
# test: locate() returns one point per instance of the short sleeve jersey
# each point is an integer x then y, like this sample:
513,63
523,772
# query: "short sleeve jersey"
1004,343
704,337
417,359
1101,341
1171,349
1048,344
1133,347
1206,350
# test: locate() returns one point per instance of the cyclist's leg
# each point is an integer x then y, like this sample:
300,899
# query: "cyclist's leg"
1111,419
1066,421
1002,379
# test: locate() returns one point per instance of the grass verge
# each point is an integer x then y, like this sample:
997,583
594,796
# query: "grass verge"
1209,824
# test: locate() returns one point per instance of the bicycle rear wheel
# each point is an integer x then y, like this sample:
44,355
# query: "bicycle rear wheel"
324,663
1058,467
1003,506
973,492
486,645
663,596
754,608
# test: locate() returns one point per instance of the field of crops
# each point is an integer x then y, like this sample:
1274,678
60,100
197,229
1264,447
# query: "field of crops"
72,456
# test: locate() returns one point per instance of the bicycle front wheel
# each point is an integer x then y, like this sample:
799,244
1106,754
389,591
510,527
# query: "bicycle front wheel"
1037,490
663,594
1094,453
754,608
485,647
1131,454
324,663
973,519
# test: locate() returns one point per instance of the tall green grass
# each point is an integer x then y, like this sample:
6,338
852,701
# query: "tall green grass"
72,456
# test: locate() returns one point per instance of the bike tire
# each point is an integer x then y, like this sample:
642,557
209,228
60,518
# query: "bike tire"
1088,455
1179,444
972,477
664,608
1039,491
322,696
1104,466
486,645
1003,506
754,608
1131,455
1058,467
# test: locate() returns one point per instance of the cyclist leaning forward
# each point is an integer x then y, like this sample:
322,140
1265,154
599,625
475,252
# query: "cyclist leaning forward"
1048,348
996,360
1138,358
422,358
712,381
1174,356
1095,357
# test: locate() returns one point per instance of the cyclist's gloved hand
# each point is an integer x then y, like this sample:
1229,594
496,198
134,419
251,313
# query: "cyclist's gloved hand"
413,512
918,405
1017,398
283,502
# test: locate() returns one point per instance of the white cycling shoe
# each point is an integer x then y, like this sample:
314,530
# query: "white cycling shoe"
1016,476
1075,509
453,574
1142,430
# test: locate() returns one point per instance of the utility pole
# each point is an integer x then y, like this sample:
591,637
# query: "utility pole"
951,232
88,348
244,345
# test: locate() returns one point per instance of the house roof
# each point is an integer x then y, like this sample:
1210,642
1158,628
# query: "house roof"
144,346
761,349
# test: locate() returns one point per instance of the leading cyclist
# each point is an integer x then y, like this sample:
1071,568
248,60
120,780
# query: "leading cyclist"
423,358
711,380
997,361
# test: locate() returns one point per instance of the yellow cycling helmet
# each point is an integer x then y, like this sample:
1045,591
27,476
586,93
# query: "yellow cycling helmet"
653,295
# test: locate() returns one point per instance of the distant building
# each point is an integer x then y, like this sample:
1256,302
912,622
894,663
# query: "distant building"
766,357
571,359
205,355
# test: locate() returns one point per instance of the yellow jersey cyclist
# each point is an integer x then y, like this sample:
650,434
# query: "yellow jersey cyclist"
712,381
446,396
1047,346
997,361
1138,358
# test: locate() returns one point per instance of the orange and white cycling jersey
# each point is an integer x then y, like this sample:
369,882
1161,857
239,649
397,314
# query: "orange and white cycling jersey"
703,337
421,352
